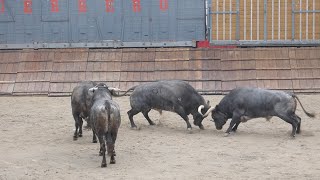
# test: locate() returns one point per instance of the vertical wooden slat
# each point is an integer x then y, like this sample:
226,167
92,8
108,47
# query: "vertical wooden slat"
258,19
313,20
300,22
285,19
279,21
251,19
230,19
307,20
217,19
245,20
272,19
224,21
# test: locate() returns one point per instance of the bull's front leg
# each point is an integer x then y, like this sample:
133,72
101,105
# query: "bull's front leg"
235,121
94,138
234,129
80,127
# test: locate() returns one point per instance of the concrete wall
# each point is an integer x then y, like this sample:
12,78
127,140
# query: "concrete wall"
57,72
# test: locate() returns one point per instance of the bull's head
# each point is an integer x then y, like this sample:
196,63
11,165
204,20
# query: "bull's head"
103,85
199,116
202,108
219,118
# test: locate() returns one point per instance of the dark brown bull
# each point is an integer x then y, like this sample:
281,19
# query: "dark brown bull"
105,118
81,102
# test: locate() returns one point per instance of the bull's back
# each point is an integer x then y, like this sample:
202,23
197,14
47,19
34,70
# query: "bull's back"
260,101
155,95
100,115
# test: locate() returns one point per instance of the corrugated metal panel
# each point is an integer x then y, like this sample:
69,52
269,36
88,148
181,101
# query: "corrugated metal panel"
101,23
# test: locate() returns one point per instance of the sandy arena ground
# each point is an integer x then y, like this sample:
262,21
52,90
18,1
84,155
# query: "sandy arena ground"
36,143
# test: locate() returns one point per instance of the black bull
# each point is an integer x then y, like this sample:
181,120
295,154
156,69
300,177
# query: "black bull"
242,104
169,95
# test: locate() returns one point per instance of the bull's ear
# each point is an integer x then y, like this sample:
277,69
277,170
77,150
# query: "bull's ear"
208,102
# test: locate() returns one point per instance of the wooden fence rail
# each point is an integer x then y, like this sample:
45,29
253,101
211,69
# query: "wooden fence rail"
216,71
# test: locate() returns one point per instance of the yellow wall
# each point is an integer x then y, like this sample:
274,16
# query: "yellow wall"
279,20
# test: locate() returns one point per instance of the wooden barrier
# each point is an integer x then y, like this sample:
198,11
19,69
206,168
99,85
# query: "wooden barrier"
214,71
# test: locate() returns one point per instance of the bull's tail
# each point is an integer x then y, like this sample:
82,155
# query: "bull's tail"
109,133
131,89
307,113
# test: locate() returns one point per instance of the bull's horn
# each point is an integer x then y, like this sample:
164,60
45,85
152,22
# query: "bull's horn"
92,89
200,108
209,110
113,89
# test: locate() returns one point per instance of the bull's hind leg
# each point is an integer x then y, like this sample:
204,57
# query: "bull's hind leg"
182,113
145,114
131,113
102,151
77,125
292,121
298,119
111,140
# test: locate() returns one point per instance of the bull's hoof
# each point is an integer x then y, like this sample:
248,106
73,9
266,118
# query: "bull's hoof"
75,138
134,127
201,127
226,134
80,135
189,130
94,141
112,161
152,123
103,165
